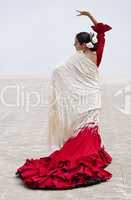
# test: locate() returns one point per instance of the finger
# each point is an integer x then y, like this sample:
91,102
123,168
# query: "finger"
78,11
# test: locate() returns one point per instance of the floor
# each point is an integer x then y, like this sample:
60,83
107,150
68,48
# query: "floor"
23,135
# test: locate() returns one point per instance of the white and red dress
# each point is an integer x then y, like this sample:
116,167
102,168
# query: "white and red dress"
74,108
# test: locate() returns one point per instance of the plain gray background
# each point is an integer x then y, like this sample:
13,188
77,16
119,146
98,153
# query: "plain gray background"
37,35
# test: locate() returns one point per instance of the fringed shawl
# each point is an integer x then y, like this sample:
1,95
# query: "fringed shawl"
75,97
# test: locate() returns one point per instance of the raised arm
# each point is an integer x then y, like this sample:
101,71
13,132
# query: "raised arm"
100,28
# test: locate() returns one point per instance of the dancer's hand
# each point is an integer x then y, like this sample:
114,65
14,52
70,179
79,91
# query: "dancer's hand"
86,13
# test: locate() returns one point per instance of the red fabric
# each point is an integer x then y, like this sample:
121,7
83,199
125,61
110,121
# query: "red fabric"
80,162
100,28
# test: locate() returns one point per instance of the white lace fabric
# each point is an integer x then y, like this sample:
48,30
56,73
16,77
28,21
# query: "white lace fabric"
75,97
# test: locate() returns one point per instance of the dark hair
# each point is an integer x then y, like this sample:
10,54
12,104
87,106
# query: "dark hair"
84,37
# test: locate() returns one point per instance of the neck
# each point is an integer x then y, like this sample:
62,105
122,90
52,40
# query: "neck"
86,50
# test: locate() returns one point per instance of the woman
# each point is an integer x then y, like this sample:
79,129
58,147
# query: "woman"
74,125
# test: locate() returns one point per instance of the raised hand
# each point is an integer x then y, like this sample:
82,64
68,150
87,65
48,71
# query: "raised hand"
86,13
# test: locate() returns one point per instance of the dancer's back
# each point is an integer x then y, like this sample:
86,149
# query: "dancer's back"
74,122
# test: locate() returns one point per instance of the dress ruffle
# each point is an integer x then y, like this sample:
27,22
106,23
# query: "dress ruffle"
101,27
80,162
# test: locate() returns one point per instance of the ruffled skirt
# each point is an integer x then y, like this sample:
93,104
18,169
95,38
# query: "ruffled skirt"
80,162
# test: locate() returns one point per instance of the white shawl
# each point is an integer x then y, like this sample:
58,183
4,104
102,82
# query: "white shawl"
75,97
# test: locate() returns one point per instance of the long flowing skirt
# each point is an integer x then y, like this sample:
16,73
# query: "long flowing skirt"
80,162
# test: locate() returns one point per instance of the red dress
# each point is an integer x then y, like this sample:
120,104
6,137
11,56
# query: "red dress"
80,161
100,28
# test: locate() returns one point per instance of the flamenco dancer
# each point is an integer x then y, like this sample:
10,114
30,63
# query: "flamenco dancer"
81,157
